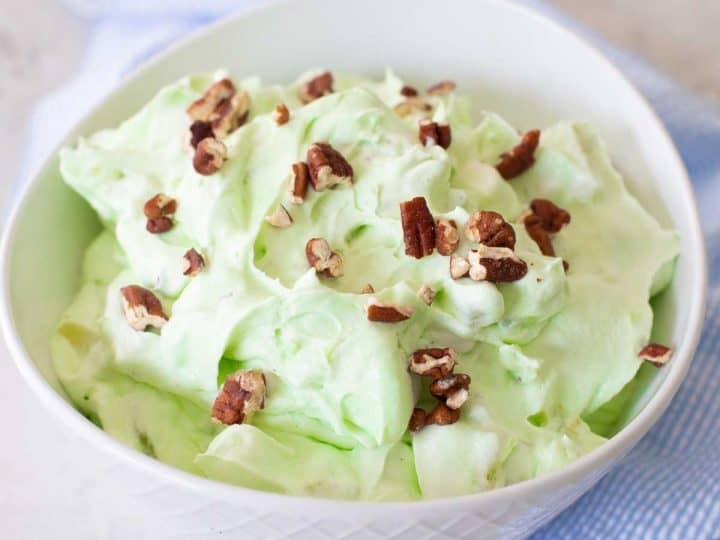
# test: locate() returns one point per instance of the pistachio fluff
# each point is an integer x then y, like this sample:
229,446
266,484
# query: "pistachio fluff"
544,353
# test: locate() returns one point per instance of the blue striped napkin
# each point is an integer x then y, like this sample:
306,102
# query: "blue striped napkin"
669,486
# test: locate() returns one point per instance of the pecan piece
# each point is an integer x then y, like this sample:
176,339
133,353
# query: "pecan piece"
552,217
418,227
426,294
367,289
299,180
452,388
323,259
417,420
434,362
442,88
210,156
160,205
446,236
536,231
387,313
280,218
281,114
142,308
193,263
327,167
202,108
317,87
520,158
230,114
459,266
658,355
411,105
159,211
442,415
199,130
242,394
431,133
490,228
545,218
495,264
158,225
408,91
457,398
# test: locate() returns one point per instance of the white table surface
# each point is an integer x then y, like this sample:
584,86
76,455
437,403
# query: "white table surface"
50,483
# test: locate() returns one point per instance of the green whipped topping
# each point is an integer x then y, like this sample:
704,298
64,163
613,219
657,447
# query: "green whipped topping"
544,353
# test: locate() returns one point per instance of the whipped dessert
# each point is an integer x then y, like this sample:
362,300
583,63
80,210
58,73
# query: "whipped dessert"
350,288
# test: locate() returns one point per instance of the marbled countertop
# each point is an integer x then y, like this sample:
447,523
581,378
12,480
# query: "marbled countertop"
681,37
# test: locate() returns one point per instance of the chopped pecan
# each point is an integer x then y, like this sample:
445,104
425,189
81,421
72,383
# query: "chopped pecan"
658,355
442,88
552,217
459,266
199,130
520,158
446,236
409,91
536,231
242,394
453,388
426,294
431,133
317,87
457,398
411,105
280,218
210,156
387,313
444,386
544,219
334,266
299,180
323,259
417,420
281,114
202,109
418,227
142,308
367,289
327,167
435,362
442,415
160,205
495,264
193,263
159,211
230,114
489,228
158,225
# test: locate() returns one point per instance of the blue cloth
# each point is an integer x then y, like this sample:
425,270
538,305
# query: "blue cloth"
669,486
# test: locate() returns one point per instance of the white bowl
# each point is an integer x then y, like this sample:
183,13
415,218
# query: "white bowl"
509,60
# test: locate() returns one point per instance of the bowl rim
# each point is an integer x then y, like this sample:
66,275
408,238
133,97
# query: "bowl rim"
596,460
